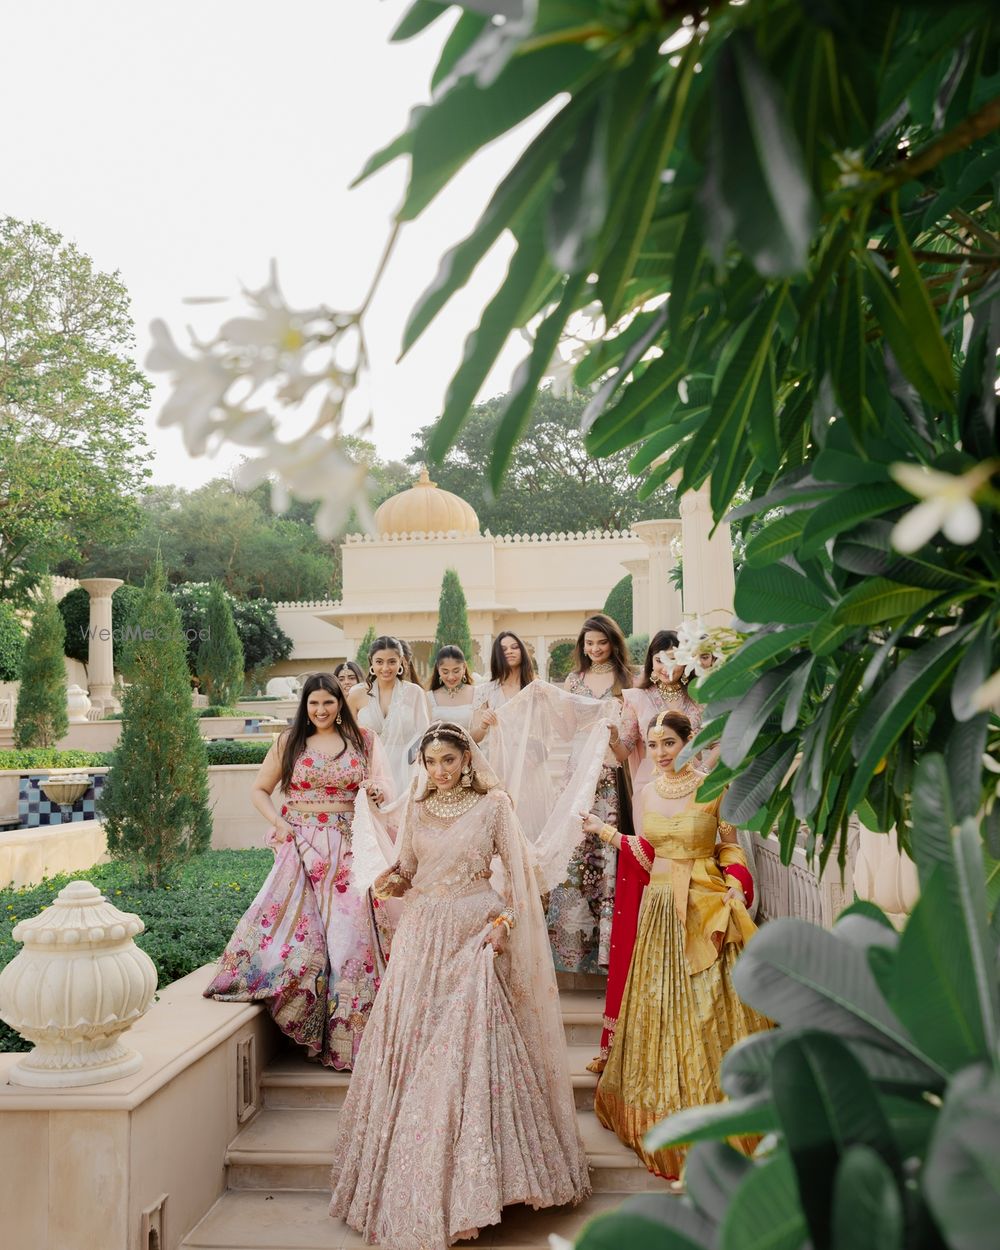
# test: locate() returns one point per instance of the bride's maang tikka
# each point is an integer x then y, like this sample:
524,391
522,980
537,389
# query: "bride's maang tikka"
658,730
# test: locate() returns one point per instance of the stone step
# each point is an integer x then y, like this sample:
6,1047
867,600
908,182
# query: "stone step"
298,1220
293,1082
292,1149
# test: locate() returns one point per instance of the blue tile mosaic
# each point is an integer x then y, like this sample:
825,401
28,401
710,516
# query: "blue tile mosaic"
33,808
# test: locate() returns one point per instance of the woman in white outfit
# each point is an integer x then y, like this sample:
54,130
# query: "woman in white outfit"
391,707
451,694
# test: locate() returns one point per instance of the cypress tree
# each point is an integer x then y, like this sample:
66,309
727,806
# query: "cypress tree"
364,646
453,619
220,655
155,801
41,701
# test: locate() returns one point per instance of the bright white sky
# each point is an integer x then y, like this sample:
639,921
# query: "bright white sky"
186,142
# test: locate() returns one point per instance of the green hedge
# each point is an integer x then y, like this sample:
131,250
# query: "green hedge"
207,713
51,757
11,643
187,922
223,752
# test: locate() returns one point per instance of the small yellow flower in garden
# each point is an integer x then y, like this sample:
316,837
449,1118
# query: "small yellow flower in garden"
947,505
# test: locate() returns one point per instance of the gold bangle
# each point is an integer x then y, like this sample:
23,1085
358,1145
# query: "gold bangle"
607,833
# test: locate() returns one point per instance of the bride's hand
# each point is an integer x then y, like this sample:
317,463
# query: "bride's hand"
497,938
591,823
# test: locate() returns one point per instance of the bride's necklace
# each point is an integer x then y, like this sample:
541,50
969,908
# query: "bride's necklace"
671,785
450,804
602,666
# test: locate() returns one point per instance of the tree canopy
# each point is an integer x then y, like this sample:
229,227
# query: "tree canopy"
552,484
72,449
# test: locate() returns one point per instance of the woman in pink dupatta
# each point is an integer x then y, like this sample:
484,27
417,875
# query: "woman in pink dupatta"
461,1101
310,946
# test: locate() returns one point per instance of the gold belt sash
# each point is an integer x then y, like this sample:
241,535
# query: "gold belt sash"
674,863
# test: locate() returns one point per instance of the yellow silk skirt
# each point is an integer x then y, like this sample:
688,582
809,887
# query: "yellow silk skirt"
674,1028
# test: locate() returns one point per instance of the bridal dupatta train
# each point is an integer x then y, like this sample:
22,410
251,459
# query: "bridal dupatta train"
461,1101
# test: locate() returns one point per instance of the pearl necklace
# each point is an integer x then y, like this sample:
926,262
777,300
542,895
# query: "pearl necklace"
671,785
450,804
602,666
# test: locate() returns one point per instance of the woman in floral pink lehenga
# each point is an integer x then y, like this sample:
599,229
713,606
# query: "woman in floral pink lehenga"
461,1101
310,946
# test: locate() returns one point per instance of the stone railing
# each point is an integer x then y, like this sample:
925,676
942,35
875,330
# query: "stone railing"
328,604
580,536
796,890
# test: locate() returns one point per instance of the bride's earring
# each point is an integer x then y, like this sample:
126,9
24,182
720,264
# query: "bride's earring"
339,718
466,777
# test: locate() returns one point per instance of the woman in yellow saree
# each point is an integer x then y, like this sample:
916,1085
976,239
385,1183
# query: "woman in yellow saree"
679,1013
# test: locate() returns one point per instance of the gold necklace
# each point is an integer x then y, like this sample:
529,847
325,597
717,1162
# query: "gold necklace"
671,785
602,666
450,804
670,691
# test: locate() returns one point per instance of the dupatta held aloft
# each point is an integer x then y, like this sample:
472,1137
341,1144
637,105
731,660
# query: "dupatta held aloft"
679,1012
461,1101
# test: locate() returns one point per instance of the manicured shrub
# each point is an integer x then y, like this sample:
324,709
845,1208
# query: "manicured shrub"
453,617
223,752
11,643
49,757
41,701
74,608
618,604
220,654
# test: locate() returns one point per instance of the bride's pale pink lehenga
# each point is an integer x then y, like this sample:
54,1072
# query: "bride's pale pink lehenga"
310,946
461,1102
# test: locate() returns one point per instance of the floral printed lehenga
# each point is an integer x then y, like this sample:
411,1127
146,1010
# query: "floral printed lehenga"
310,946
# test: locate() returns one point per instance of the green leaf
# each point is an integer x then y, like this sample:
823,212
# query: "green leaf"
756,191
734,677
973,669
897,702
961,1177
468,116
778,593
920,315
898,335
756,783
801,976
879,601
778,538
825,1103
846,510
640,1231
722,433
867,1205
687,265
417,18
828,635
848,347
524,384
765,1213
868,550
643,179
508,308
796,693
579,202
518,194
747,719
715,1122
619,426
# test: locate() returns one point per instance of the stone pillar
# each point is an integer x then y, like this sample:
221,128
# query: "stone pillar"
664,601
542,657
100,654
638,570
709,581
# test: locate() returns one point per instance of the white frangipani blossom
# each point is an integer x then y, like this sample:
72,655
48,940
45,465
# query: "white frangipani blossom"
987,697
695,642
947,505
272,361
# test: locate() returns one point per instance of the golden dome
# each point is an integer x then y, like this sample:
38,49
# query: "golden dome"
425,509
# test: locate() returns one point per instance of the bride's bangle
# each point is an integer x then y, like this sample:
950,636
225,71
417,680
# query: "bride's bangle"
506,920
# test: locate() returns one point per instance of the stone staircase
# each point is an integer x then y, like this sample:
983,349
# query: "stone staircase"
278,1165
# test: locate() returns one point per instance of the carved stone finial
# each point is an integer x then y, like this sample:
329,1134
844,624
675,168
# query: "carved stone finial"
77,985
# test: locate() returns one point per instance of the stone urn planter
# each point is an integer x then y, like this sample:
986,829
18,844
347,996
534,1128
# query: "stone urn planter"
74,989
885,875
65,788
77,705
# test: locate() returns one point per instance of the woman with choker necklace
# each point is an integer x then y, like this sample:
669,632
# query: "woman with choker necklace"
392,704
580,909
461,1101
451,693
679,1012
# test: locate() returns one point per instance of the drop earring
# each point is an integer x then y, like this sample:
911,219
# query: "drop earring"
466,777
339,718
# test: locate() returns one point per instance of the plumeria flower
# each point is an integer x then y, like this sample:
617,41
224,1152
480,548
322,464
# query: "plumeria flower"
987,697
695,642
947,505
200,384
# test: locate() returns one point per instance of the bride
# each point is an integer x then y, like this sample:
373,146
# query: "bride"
461,1102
